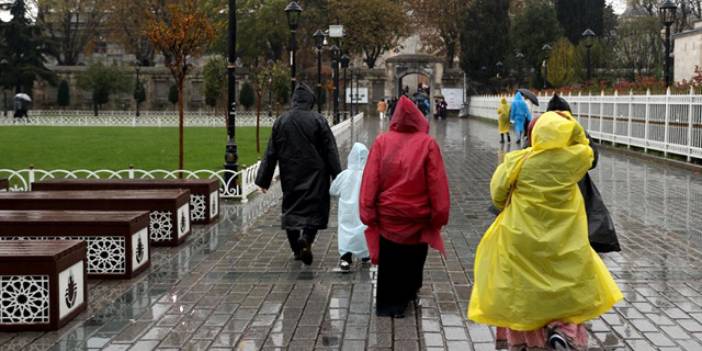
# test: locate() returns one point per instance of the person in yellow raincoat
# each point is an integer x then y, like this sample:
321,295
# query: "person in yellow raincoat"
536,277
503,121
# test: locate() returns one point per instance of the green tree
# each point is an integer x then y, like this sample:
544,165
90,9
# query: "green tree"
563,64
27,49
247,96
639,47
215,76
173,94
575,16
535,26
372,26
438,23
63,96
103,81
71,25
483,38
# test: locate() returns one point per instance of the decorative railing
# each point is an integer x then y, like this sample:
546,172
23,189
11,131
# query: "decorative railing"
671,124
82,118
234,185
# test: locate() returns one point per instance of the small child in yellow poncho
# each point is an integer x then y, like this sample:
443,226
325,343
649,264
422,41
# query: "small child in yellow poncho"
503,121
536,277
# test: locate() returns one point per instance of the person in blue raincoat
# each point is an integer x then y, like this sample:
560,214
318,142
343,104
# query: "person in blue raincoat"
347,186
519,116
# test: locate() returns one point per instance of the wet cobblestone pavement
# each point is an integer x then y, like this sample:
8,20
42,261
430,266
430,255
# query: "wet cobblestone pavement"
234,285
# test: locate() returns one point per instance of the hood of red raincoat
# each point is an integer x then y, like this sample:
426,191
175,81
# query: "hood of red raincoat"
407,118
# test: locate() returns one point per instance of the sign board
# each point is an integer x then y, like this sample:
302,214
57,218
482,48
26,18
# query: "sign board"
336,31
454,98
360,96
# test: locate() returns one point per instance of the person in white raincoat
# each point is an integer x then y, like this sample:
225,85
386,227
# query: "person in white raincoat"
347,186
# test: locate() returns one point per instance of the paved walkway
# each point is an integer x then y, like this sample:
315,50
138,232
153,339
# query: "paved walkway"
235,286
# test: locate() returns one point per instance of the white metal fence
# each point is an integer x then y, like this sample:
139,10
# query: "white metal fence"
668,123
234,185
83,118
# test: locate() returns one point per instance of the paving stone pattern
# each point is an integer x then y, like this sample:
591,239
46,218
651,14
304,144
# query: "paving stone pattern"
234,285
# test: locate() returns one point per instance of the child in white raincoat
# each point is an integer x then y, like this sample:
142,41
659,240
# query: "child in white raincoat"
347,186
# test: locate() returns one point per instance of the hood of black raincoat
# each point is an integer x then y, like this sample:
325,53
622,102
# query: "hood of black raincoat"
407,118
558,103
303,97
358,157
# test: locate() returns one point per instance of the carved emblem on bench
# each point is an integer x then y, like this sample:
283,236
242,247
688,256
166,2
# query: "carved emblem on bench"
139,250
161,226
197,207
71,291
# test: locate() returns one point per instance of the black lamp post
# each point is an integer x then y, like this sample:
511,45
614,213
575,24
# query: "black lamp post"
231,155
345,60
319,43
589,38
520,61
3,63
293,11
547,52
336,57
667,11
353,75
137,90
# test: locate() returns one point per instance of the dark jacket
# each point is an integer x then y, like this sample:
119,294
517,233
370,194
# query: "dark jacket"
304,146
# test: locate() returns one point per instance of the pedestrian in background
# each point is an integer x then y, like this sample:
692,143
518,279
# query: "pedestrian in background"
347,186
503,113
382,108
305,147
404,203
536,277
519,116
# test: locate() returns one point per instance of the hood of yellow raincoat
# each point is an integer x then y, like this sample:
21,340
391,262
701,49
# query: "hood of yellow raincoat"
557,130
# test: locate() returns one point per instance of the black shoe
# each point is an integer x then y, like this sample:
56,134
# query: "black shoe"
557,342
305,252
344,265
366,259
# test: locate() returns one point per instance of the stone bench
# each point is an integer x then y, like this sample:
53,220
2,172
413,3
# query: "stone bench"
118,242
42,284
169,212
204,193
4,185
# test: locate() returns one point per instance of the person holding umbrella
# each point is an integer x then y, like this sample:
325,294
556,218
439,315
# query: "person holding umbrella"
519,116
22,101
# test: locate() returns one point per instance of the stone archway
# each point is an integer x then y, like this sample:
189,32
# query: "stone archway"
398,67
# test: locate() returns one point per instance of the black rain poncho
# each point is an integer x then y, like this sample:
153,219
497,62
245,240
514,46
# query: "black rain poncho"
304,146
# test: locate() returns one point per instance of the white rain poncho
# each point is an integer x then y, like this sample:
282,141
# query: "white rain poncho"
347,187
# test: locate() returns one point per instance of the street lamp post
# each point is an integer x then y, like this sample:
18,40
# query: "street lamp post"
547,50
353,76
231,155
336,53
137,89
667,11
589,37
3,63
520,60
293,11
345,60
319,42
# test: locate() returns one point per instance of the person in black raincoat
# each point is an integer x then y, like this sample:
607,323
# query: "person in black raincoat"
305,147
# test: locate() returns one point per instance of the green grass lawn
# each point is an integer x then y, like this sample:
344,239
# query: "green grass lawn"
116,148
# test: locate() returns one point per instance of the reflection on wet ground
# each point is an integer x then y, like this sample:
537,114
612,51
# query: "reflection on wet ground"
234,285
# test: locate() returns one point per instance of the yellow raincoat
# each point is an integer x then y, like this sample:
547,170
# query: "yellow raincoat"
534,265
503,117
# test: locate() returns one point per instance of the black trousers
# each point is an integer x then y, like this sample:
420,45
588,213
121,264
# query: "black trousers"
400,273
294,236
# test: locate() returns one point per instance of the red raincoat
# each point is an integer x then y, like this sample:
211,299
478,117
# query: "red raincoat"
404,193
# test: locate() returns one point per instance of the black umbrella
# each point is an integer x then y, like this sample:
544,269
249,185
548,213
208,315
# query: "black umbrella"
529,96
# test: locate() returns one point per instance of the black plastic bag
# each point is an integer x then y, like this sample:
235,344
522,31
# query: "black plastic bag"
603,235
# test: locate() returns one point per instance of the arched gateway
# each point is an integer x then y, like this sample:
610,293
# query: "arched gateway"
401,66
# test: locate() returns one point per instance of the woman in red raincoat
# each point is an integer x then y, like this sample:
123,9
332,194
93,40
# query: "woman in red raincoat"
404,202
